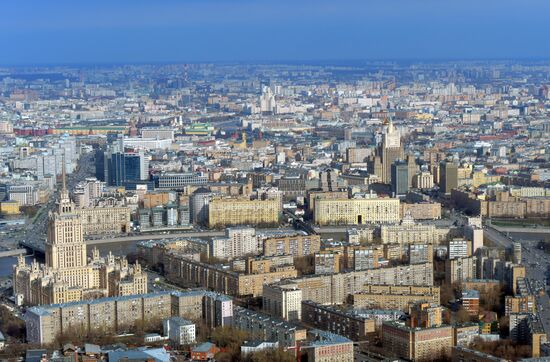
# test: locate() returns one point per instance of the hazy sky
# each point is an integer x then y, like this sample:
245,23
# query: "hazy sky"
104,31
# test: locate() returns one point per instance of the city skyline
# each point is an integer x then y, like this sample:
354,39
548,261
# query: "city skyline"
320,181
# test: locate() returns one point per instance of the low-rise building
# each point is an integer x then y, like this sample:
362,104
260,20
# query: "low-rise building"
204,351
179,331
323,346
464,334
461,354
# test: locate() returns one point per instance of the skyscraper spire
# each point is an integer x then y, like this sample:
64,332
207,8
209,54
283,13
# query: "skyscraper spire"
63,174
65,204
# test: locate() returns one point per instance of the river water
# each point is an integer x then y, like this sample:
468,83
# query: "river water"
124,248
118,249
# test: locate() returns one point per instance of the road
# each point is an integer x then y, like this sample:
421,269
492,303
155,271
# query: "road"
537,270
527,229
34,232
169,235
14,252
497,237
120,239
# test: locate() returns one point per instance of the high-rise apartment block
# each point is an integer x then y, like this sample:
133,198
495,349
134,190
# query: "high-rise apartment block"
283,300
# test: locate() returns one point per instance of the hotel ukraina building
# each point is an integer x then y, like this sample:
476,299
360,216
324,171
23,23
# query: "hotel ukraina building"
68,275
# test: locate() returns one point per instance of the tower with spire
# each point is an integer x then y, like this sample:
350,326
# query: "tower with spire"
67,275
388,151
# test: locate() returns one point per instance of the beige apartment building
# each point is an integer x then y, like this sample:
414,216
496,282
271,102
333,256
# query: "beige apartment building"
295,245
335,288
336,320
225,211
460,269
356,211
409,232
268,328
103,220
183,270
422,210
417,344
393,296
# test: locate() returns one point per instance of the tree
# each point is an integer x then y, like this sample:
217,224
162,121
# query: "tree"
304,265
462,316
226,336
10,324
272,355
503,348
230,340
491,299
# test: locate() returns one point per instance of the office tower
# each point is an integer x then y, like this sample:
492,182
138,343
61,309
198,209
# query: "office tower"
449,176
399,178
124,167
99,157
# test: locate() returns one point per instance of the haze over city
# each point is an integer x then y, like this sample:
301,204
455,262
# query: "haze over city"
310,181
69,32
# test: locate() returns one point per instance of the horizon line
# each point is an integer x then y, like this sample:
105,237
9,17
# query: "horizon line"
319,62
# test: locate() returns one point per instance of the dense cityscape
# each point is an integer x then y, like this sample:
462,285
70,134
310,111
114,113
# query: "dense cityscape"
372,211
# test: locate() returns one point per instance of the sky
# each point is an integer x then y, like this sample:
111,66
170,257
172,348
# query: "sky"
35,32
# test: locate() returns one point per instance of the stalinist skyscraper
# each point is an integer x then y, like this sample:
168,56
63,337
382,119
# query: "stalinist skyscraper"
68,275
389,150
